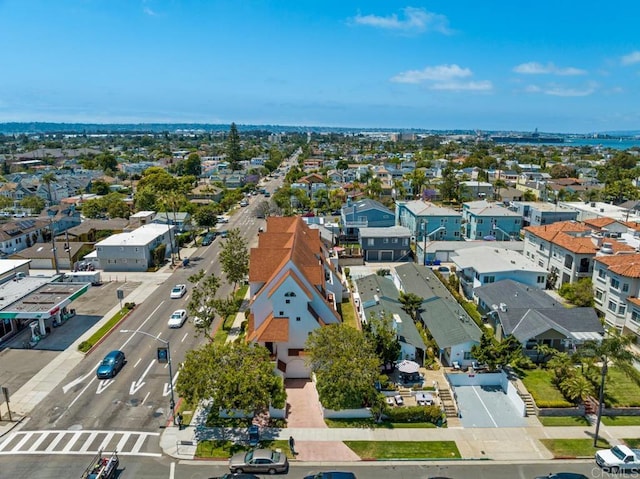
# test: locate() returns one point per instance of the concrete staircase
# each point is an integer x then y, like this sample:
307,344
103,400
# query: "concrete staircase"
529,404
448,403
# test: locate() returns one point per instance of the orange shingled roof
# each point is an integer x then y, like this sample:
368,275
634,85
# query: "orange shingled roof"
296,279
634,225
584,244
272,329
634,300
599,222
623,264
549,232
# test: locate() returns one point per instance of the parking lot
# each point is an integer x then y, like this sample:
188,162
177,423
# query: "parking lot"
487,406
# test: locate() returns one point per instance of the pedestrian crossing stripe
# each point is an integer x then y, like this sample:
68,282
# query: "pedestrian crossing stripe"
63,442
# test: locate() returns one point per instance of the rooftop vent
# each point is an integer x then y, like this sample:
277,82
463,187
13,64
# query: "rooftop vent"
607,248
503,307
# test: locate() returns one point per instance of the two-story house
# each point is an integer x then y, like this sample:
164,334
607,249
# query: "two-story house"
293,289
21,234
385,244
567,249
424,218
486,220
536,213
488,264
616,289
365,213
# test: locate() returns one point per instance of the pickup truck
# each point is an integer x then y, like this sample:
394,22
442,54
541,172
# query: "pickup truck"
619,459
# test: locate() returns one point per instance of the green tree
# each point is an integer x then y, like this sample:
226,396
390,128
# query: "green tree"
234,152
206,216
237,376
234,257
345,364
379,330
47,179
579,293
192,165
33,203
411,303
449,184
203,302
100,187
107,162
495,353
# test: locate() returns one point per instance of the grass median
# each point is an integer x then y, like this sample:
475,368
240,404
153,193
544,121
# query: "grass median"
85,346
385,450
562,448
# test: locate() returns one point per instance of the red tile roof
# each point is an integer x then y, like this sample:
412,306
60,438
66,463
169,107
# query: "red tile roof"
275,330
599,222
623,264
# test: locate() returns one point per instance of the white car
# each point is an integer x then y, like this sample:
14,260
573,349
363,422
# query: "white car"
178,318
178,291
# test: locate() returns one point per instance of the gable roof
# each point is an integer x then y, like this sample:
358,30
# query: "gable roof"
271,330
549,232
574,323
515,295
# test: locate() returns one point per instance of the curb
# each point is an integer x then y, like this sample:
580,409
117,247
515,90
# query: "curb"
108,333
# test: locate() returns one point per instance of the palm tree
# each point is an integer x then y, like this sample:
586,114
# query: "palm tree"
170,201
47,179
615,349
576,387
411,303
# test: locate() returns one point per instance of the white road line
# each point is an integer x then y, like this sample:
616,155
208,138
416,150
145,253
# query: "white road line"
67,447
6,441
186,335
484,406
172,470
137,362
39,441
55,442
68,386
123,441
106,441
22,442
87,453
145,398
87,443
141,325
139,443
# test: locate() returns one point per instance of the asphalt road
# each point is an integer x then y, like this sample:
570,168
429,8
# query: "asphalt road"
43,467
138,397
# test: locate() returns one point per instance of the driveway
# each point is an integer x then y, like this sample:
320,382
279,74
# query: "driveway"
304,411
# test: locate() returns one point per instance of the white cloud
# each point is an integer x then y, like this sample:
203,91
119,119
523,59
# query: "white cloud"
535,68
559,90
149,12
437,73
413,19
631,58
484,85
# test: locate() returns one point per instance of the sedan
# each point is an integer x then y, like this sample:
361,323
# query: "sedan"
110,365
332,475
208,239
236,476
178,291
259,460
563,475
178,318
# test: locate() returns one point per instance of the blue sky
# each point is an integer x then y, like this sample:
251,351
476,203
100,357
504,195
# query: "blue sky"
561,66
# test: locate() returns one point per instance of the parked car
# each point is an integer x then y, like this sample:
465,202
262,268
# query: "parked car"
563,475
259,460
332,475
222,219
208,239
223,234
244,203
230,475
178,318
110,365
178,291
254,435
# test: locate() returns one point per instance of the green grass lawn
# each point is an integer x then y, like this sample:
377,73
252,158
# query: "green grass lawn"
633,443
225,449
85,346
404,449
563,421
539,384
370,423
573,447
620,390
348,314
621,420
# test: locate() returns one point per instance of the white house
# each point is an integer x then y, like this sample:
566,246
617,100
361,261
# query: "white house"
133,250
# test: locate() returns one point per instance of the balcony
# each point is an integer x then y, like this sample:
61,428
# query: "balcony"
356,224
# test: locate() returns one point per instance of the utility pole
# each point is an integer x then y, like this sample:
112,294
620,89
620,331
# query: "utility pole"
425,223
67,248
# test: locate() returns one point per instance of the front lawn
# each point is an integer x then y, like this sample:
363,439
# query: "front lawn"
621,420
633,443
220,449
562,421
348,314
370,423
573,447
539,383
404,449
620,390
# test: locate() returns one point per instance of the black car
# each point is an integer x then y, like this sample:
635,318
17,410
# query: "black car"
332,475
208,239
563,475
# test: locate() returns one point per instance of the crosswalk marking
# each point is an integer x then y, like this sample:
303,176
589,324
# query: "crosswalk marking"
88,442
66,442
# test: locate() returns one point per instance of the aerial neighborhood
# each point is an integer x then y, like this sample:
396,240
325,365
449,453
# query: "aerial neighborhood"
385,274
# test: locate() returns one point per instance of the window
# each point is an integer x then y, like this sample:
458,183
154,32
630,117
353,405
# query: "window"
295,352
635,316
489,279
541,247
541,263
385,240
622,309
612,306
598,294
456,234
615,284
395,240
289,294
541,279
467,356
625,287
602,273
370,242
297,318
480,221
281,314
288,301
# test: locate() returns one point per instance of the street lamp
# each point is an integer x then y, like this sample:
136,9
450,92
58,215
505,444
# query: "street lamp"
163,355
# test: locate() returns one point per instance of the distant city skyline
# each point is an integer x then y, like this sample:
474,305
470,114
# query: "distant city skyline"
555,66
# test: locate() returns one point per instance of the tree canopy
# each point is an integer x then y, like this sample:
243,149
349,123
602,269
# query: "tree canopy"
346,366
234,257
234,151
237,376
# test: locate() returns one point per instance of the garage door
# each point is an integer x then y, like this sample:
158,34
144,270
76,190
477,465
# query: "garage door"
443,256
386,255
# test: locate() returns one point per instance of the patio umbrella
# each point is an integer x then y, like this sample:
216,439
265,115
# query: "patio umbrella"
408,367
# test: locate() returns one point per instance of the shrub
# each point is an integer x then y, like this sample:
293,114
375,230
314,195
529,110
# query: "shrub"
542,403
130,305
414,414
85,346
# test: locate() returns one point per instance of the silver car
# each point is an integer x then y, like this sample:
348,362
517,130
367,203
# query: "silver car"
259,460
